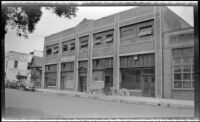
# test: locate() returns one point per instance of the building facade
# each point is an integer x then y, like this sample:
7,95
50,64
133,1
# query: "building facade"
124,52
16,62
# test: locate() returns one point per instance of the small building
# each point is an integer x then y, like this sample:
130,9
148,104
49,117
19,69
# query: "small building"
133,52
16,63
35,67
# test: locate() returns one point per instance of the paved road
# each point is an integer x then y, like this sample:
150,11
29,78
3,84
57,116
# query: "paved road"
37,105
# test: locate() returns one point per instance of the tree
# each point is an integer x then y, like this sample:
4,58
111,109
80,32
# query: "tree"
23,18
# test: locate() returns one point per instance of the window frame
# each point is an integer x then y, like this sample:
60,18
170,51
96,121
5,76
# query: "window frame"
181,64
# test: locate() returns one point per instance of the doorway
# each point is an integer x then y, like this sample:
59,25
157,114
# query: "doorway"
82,83
148,85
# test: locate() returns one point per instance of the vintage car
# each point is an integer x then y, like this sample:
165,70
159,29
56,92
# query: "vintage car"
11,84
26,85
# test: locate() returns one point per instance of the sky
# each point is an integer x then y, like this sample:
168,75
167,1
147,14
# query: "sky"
50,24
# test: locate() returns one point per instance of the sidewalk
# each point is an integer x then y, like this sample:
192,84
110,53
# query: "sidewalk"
127,99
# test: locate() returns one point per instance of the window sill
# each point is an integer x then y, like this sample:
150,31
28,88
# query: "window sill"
98,48
134,43
183,89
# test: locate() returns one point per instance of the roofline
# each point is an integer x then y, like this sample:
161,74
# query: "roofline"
181,29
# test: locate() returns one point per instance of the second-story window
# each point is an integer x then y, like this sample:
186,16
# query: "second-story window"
55,50
72,46
84,42
109,38
49,51
65,47
68,46
98,40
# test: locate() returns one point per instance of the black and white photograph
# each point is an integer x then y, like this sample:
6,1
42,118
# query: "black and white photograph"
82,60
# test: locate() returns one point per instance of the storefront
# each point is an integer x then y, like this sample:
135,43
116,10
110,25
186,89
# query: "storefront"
67,76
51,76
138,75
103,75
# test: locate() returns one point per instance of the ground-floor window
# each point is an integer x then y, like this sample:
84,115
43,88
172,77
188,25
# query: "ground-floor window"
130,79
183,71
67,80
50,79
51,76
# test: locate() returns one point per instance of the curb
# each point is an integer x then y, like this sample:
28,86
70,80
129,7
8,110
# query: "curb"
105,98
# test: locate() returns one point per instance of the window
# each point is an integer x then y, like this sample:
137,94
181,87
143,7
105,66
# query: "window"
72,46
183,74
65,47
49,51
98,40
84,42
131,33
55,50
144,31
15,64
109,38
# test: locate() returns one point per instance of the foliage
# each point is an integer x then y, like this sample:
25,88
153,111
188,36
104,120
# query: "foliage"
24,19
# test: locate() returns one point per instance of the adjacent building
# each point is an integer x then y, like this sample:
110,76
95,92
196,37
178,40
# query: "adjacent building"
35,67
138,52
17,63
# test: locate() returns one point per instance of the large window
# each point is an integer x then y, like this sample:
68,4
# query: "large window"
68,46
183,71
84,42
52,49
142,31
130,79
103,39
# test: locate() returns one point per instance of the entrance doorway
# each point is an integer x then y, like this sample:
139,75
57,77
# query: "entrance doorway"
82,83
148,85
108,81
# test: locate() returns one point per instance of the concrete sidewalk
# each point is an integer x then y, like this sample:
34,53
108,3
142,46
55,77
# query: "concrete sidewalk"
126,99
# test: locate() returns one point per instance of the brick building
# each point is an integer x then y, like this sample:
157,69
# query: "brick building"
131,52
16,62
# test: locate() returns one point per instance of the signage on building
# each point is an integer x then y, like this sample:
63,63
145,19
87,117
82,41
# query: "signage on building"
98,84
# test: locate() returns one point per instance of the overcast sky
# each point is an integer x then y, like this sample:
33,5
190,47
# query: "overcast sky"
50,24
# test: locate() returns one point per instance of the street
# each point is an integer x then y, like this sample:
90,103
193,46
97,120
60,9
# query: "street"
37,105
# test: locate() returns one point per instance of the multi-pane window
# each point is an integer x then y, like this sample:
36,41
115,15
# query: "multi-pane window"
140,31
72,46
52,49
15,64
183,71
103,63
65,47
49,51
55,50
84,42
68,46
103,39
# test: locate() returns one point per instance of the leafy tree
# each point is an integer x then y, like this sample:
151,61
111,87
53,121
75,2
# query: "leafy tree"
23,18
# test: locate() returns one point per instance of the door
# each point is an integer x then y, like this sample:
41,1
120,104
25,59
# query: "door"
148,86
82,83
62,84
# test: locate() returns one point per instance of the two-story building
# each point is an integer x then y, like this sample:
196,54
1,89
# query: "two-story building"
130,51
17,63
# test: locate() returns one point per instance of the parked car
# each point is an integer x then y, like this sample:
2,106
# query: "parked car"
11,84
26,85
